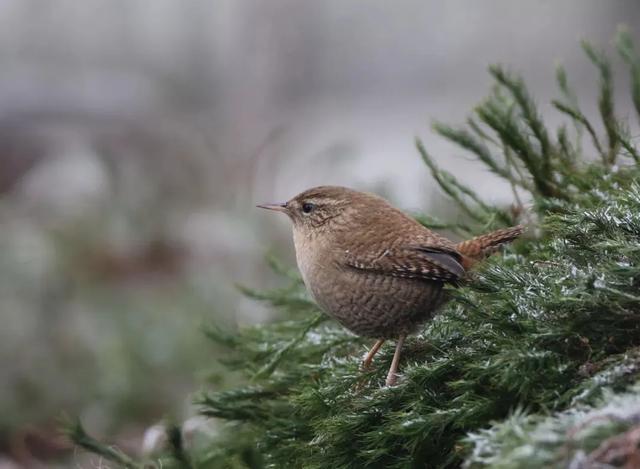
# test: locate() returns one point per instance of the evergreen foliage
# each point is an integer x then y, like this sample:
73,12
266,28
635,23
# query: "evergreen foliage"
533,363
603,435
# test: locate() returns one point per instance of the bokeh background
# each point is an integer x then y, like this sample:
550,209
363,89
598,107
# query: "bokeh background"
136,137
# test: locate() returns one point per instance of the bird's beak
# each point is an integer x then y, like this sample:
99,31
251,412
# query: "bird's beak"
281,207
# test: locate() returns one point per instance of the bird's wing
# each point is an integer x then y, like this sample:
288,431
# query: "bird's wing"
434,263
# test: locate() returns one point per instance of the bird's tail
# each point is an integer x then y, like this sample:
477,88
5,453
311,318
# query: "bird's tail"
476,249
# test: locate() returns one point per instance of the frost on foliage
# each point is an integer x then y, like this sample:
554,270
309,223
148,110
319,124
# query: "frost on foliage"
604,435
518,359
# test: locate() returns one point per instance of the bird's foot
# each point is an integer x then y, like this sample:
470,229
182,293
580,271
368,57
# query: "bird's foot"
392,376
392,379
366,362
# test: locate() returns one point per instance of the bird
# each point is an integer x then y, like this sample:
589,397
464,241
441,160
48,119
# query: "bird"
376,270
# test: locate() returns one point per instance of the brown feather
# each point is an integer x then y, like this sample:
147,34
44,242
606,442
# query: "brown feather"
480,247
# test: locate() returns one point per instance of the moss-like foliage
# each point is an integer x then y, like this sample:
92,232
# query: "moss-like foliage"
601,435
536,341
525,334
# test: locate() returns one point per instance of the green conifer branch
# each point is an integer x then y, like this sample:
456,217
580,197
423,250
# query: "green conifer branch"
278,354
284,270
292,298
434,223
515,337
599,435
625,141
467,141
77,434
450,186
605,101
571,99
563,83
567,153
473,125
576,114
519,91
628,53
538,336
500,117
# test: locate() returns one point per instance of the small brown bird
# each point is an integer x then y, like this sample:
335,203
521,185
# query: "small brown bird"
377,271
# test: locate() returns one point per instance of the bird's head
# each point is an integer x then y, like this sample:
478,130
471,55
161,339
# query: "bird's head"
321,208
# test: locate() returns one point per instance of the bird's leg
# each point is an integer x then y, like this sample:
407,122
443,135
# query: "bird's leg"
369,357
392,376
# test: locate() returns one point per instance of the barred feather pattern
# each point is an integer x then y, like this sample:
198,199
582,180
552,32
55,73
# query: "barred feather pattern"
374,269
480,247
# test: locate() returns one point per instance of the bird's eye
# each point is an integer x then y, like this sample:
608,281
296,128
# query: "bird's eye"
307,207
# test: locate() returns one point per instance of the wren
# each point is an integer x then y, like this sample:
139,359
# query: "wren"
375,270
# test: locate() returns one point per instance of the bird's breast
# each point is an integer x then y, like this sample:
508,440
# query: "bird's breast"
366,302
309,255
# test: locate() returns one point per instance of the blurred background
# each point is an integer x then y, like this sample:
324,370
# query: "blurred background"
136,137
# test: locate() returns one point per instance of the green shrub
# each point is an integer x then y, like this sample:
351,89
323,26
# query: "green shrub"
538,340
